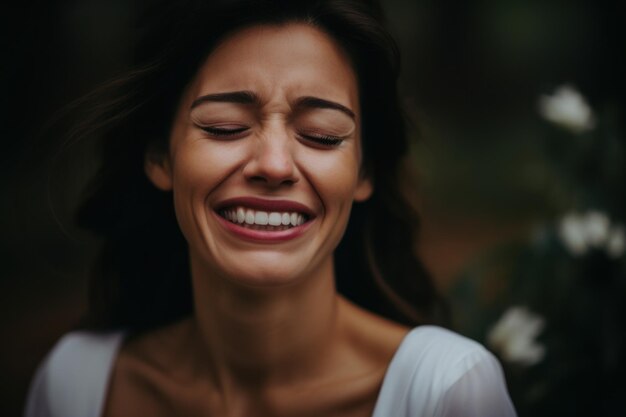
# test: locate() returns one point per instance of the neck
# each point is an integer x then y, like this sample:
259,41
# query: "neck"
255,337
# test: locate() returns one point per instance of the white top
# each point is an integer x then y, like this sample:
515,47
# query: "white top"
434,373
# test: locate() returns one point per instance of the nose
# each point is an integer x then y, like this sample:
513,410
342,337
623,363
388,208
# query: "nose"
272,160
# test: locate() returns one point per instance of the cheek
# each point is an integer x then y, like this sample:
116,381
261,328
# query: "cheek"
200,167
334,175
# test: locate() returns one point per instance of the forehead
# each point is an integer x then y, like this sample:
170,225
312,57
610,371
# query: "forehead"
288,60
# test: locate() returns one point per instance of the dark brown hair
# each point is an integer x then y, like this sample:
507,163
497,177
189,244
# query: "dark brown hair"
142,277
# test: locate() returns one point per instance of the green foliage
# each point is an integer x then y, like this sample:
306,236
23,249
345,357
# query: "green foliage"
570,275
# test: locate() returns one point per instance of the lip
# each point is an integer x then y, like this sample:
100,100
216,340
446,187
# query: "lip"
264,236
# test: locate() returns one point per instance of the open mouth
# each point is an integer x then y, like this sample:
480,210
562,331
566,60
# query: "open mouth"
263,220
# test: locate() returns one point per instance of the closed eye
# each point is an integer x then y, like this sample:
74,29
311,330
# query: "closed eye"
224,131
324,141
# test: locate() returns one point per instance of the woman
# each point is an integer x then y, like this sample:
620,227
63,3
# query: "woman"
263,122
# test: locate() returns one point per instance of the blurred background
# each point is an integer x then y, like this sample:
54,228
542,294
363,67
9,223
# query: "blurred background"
519,108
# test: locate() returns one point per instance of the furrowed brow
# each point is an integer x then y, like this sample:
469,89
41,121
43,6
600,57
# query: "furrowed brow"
241,97
320,103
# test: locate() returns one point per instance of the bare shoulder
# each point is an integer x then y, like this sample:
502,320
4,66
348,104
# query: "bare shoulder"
368,344
376,336
147,371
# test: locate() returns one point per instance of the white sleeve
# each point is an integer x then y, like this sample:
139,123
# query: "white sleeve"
72,380
480,391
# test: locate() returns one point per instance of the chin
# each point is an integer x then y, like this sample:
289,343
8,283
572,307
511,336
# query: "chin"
267,276
272,266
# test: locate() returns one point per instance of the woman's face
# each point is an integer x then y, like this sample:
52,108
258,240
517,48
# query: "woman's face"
265,155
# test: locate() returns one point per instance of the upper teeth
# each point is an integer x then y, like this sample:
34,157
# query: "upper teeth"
273,218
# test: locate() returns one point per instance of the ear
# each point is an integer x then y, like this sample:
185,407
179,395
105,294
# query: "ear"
364,189
158,170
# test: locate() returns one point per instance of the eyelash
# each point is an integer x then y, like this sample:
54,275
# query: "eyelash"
321,140
217,131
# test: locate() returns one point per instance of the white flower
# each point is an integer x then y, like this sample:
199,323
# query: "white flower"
597,228
581,232
567,108
513,336
616,242
572,233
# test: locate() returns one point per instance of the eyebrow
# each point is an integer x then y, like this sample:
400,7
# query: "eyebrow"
320,103
248,97
241,97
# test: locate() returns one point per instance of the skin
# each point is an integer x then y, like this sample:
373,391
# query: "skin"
270,336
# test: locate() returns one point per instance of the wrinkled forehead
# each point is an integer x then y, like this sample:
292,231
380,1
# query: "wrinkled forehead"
286,60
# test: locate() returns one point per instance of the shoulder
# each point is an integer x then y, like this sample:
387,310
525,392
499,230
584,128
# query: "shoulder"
432,368
442,352
72,379
79,346
438,356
